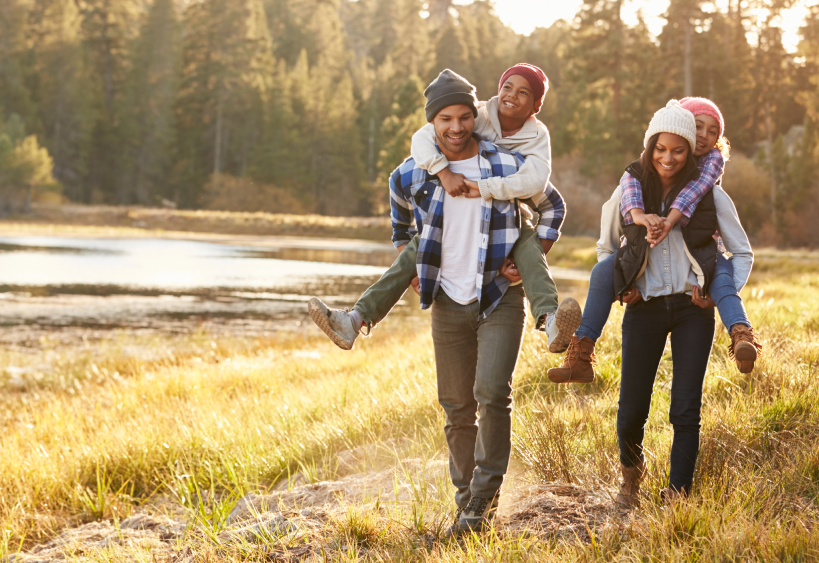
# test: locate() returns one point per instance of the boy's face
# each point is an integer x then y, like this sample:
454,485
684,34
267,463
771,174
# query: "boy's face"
516,100
707,133
453,129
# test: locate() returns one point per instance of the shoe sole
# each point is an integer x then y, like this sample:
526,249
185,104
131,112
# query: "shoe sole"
567,319
318,312
745,355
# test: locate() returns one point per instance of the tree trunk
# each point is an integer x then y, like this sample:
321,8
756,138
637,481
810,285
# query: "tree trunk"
688,88
769,130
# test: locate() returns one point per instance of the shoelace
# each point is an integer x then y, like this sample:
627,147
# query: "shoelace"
476,505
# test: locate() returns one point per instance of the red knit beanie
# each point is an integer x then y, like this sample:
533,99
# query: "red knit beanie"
704,106
534,76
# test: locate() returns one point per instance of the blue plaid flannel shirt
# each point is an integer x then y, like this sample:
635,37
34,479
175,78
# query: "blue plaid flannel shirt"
417,201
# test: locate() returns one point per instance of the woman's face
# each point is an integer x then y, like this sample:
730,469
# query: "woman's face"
670,154
707,134
515,99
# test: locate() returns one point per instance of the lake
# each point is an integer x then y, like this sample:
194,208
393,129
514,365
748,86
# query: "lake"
246,285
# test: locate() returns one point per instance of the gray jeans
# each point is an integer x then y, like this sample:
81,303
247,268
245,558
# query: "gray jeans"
475,359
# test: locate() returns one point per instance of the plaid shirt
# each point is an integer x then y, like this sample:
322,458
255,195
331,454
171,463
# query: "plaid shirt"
711,165
417,201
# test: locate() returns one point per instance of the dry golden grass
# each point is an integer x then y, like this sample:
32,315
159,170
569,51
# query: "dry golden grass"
95,432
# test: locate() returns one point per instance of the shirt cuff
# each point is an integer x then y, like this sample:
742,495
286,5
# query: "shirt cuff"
398,242
627,212
438,166
683,221
483,186
548,233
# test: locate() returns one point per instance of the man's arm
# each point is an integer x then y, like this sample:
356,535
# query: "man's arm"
552,209
403,219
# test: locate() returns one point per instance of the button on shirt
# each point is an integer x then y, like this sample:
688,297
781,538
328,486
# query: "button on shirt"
668,270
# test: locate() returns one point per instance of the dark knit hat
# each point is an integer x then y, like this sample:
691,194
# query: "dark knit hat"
449,89
534,76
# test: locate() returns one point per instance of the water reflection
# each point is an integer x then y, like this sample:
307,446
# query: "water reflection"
258,285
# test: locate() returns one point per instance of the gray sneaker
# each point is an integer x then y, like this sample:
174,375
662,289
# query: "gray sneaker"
476,516
562,324
336,323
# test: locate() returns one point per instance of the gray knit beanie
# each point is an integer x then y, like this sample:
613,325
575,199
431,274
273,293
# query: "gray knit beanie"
673,118
449,89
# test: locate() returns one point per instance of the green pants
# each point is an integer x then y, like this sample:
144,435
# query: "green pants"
381,297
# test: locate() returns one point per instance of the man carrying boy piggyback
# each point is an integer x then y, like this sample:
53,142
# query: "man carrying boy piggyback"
460,249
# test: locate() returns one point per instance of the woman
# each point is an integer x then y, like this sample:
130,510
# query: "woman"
663,287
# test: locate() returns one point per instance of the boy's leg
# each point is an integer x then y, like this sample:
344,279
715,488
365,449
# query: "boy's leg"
381,297
343,326
744,345
558,320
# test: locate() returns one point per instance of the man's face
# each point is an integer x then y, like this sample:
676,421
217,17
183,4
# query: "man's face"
453,128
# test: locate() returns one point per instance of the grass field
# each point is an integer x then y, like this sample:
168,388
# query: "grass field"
182,428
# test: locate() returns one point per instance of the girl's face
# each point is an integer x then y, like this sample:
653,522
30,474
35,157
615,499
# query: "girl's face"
707,134
515,99
670,154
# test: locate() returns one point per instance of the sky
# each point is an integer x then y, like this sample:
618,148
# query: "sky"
525,15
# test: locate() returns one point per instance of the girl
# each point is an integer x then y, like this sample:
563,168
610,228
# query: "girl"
711,151
661,285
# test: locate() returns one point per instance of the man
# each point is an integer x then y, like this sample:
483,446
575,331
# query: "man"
464,274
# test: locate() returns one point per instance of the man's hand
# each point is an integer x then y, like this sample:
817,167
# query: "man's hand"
510,271
453,183
700,301
474,190
632,296
546,245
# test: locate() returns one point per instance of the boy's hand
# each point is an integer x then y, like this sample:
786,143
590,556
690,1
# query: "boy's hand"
700,301
474,190
453,183
510,271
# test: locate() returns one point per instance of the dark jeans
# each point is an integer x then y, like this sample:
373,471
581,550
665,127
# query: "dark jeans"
646,326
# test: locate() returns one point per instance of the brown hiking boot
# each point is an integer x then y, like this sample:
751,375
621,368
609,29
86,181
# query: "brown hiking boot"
671,496
629,495
744,347
578,363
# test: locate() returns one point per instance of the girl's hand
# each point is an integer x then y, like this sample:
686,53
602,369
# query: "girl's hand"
657,237
654,223
510,271
700,301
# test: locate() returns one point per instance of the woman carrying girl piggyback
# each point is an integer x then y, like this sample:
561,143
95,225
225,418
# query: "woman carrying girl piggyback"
719,287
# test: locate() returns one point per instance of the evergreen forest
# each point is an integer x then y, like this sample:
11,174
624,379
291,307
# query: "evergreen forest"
305,106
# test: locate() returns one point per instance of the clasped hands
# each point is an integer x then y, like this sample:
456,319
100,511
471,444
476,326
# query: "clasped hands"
457,185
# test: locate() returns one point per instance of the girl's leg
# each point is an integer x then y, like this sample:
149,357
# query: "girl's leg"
598,300
692,334
724,293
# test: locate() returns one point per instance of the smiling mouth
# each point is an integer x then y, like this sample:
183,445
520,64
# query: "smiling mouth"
509,105
456,139
668,167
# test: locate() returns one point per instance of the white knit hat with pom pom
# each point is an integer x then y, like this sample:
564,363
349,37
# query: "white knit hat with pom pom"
673,118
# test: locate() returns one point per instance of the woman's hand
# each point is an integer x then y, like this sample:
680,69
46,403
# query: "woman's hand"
510,271
700,301
632,296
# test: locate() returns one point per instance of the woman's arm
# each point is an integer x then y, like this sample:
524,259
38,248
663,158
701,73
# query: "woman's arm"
734,237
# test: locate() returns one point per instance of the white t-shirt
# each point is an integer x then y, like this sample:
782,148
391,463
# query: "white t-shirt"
461,238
